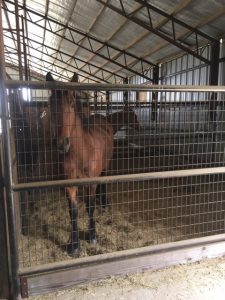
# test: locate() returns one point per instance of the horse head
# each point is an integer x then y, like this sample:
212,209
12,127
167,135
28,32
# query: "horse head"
61,105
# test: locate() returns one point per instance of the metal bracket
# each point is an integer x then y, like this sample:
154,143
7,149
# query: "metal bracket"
23,287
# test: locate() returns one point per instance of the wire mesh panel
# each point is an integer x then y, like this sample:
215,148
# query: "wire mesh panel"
140,213
67,134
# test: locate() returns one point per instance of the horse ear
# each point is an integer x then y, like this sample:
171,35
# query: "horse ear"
75,78
49,77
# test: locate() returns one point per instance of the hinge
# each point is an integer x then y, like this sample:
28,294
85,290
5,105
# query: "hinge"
23,287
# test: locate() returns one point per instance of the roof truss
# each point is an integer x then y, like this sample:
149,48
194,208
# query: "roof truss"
90,46
172,38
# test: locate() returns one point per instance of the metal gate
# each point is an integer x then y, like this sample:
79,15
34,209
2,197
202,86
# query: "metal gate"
164,184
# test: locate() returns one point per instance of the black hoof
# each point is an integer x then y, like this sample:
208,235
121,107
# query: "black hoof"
73,250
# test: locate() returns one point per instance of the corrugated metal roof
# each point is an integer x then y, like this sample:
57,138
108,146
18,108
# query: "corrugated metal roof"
52,46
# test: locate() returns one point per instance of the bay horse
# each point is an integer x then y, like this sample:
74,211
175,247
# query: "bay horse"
124,118
119,119
87,153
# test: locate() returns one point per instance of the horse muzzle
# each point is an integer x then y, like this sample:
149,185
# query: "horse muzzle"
64,145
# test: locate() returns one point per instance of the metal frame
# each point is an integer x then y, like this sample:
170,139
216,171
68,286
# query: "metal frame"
11,245
117,178
90,39
174,39
103,73
46,278
112,87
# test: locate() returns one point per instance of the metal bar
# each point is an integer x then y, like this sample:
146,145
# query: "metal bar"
122,255
18,40
125,93
155,94
67,23
117,178
91,37
24,50
175,20
213,80
77,59
155,31
60,67
7,173
68,55
112,87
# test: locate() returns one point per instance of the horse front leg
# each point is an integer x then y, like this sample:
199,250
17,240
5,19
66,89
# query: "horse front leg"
90,207
73,246
101,193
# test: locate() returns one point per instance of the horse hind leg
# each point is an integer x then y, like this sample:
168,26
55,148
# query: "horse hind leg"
90,207
73,247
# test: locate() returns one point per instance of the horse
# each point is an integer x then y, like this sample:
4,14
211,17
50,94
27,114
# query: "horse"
87,153
117,120
123,118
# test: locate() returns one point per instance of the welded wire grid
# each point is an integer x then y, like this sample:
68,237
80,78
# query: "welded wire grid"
180,131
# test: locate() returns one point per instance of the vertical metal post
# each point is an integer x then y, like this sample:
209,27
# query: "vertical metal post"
107,103
7,175
125,94
95,101
214,77
18,40
155,94
24,49
213,80
137,98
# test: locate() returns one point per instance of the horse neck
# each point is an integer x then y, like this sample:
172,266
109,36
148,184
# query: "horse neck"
77,126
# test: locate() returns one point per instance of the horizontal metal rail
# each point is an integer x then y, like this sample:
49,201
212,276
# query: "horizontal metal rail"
117,178
112,87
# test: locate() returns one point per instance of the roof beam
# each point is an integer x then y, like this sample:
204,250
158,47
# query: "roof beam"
67,23
91,45
138,39
102,72
149,26
46,13
45,48
89,29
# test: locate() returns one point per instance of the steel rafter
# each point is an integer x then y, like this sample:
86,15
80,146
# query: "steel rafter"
55,65
90,47
50,66
46,13
174,40
70,58
102,75
67,23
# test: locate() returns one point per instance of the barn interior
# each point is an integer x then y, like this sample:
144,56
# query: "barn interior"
152,72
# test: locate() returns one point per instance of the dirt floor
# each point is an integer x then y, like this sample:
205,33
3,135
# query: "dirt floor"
198,281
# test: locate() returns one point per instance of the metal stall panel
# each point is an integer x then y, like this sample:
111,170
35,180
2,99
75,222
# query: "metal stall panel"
148,204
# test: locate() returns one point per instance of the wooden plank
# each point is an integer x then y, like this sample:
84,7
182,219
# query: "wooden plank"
125,262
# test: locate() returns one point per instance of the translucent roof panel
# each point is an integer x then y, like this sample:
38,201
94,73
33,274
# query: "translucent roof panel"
100,39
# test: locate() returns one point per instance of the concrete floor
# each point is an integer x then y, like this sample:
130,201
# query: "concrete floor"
198,281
